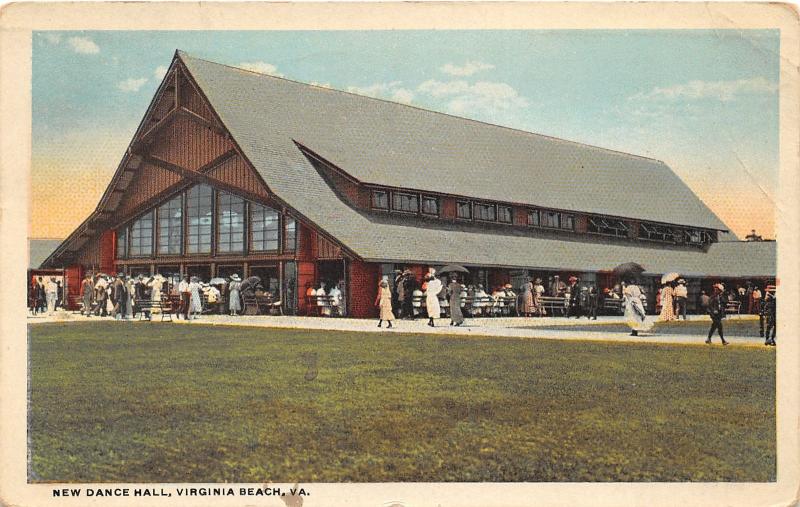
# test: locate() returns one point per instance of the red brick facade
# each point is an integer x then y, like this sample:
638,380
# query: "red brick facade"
363,285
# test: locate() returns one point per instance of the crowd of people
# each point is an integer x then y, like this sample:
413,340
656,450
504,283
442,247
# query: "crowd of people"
45,295
329,302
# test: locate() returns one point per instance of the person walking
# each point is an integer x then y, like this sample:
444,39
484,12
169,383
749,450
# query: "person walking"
130,291
41,297
87,294
118,297
667,308
384,303
434,286
574,309
592,301
769,313
196,302
456,316
528,304
100,296
538,294
234,295
681,295
634,309
716,310
186,296
51,294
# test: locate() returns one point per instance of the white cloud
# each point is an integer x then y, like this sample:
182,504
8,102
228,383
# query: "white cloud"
52,38
482,98
721,90
261,68
467,69
391,91
131,84
83,45
160,72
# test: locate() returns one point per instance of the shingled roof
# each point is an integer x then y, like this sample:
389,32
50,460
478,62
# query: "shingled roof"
397,145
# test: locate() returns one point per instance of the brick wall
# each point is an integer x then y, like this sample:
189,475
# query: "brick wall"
448,207
73,277
107,244
363,285
306,274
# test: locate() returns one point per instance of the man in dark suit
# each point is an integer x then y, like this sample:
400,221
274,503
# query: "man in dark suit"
768,313
574,298
140,289
716,310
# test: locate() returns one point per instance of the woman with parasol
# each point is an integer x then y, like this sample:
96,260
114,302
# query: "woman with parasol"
667,293
632,297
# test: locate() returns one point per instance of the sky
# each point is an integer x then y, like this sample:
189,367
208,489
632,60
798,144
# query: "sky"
703,101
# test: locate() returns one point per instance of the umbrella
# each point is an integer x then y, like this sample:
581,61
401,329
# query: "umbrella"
450,268
670,277
250,283
628,269
218,281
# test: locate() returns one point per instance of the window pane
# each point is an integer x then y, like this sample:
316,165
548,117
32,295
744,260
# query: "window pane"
464,209
199,218
170,227
230,220
550,219
405,202
485,212
265,227
533,217
430,205
380,199
504,214
291,235
122,238
567,222
142,236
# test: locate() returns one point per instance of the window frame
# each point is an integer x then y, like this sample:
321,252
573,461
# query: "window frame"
532,213
555,214
187,226
470,207
158,211
430,198
409,195
217,224
151,213
372,199
485,206
125,236
510,210
566,217
254,207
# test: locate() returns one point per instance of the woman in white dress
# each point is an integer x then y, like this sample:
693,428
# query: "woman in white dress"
432,298
634,309
195,301
234,299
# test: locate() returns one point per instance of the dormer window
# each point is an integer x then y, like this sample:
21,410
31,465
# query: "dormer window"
464,210
551,219
533,217
504,214
609,227
485,212
430,205
408,203
380,199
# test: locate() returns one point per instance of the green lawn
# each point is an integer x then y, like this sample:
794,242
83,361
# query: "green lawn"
166,402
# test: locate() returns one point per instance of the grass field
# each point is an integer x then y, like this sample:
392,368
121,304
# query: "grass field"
177,403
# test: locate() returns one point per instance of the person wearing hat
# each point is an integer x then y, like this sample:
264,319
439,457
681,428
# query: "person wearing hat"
234,295
716,310
528,305
130,290
667,305
432,297
195,302
634,309
186,296
681,295
384,303
142,295
769,313
455,289
574,308
51,294
87,294
538,294
119,297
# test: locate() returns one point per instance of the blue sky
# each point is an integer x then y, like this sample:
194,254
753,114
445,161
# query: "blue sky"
704,101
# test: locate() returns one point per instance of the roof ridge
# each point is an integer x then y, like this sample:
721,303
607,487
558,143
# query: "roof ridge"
184,54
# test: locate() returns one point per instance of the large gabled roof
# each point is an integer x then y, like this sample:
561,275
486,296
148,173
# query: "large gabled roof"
397,145
266,115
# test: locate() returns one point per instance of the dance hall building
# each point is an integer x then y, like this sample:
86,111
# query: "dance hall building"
232,171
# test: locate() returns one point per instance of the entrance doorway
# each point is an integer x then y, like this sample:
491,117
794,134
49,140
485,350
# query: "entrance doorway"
330,272
270,278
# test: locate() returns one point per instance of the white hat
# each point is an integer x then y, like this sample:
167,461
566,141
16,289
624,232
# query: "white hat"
235,277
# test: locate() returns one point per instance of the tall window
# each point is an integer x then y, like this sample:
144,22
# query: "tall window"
264,229
464,209
290,245
550,219
486,212
142,236
567,222
230,220
199,216
380,199
405,202
504,214
533,217
122,242
170,227
430,205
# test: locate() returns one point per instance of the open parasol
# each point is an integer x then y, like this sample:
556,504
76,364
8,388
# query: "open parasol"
452,268
218,281
670,277
628,269
250,283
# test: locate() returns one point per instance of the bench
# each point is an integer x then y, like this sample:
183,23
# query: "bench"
554,304
733,307
319,303
147,307
612,305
